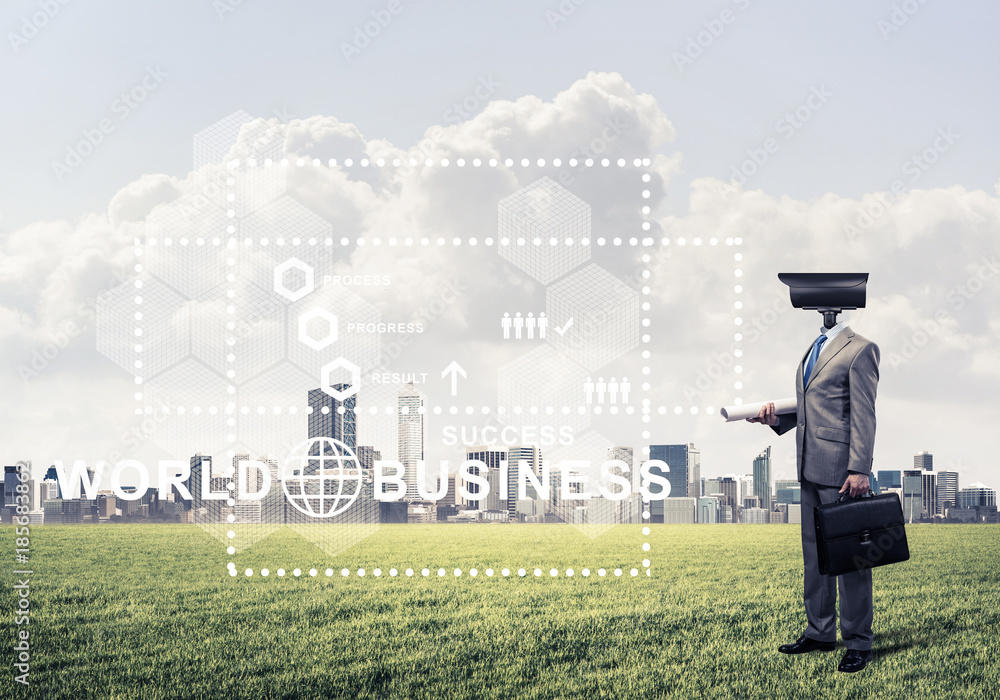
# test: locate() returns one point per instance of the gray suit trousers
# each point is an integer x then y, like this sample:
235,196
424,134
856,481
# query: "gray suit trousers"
820,590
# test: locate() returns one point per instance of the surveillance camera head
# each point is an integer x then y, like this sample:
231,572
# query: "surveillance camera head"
826,292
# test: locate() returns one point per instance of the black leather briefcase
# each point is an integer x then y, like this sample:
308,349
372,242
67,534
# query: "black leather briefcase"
860,533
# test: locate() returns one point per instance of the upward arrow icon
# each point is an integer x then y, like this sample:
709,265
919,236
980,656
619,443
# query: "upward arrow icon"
454,369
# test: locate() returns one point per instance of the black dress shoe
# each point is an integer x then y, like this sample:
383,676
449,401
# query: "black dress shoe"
803,644
854,660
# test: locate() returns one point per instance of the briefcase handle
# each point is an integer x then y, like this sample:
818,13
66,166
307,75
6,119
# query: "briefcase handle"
870,493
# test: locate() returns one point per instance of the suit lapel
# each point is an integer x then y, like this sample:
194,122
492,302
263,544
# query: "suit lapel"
836,345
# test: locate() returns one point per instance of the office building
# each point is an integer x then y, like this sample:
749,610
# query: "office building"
201,468
794,513
929,507
107,505
977,495
532,456
923,461
679,510
53,511
913,495
762,478
787,491
676,458
756,516
710,486
890,479
332,418
708,509
367,456
410,432
947,491
48,490
746,487
693,470
491,458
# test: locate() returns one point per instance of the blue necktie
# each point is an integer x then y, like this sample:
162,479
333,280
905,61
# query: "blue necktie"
813,356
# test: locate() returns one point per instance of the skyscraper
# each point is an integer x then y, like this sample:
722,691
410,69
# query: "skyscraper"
333,418
762,478
410,434
947,491
693,470
629,509
367,456
201,468
977,495
890,479
787,491
929,507
923,461
491,457
533,456
729,488
680,464
913,494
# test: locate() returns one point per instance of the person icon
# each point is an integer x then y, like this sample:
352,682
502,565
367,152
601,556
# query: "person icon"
543,324
624,387
505,323
612,391
588,390
529,324
601,388
518,325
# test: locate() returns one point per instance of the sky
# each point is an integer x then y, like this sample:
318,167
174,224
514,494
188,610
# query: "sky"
814,110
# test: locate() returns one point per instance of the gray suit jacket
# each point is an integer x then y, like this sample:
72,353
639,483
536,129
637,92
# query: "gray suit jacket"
835,417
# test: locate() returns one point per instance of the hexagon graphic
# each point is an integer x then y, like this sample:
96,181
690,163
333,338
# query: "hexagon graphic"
187,408
243,335
541,379
161,316
184,245
318,314
355,316
277,231
327,384
537,222
242,136
279,279
605,313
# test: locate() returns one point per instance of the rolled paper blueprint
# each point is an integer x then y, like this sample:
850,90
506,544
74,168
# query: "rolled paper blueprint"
751,409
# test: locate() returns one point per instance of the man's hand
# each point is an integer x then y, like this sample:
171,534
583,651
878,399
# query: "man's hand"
856,485
766,415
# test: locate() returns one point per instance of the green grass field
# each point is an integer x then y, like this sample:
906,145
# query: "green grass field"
149,611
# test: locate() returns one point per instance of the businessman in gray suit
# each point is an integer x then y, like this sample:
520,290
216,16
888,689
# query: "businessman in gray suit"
834,423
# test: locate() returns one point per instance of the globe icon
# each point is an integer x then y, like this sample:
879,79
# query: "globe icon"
322,477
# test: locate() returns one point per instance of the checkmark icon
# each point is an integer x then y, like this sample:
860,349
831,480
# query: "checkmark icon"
565,327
